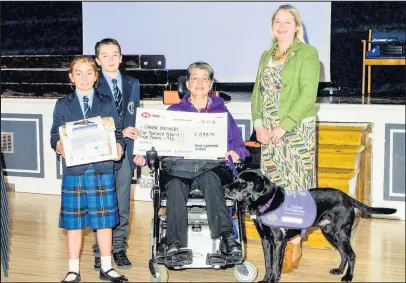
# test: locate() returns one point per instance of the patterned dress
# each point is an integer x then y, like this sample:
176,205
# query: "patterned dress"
291,164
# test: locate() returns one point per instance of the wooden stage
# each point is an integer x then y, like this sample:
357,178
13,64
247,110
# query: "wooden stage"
38,250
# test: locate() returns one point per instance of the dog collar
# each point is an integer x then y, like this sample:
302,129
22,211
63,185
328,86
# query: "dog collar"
263,208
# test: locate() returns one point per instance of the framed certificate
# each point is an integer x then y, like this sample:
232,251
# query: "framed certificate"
90,140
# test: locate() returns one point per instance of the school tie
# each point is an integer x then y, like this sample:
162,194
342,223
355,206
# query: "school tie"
86,106
118,97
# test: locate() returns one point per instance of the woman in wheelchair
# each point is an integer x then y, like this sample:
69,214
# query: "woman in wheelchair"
199,81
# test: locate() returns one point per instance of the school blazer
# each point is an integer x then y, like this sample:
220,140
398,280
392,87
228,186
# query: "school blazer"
131,100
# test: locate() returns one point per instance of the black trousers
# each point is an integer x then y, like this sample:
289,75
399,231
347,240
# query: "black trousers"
211,185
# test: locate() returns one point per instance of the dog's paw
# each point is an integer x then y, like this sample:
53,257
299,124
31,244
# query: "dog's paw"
346,278
336,271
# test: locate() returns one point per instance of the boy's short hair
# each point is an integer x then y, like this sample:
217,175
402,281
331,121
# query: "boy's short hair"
106,41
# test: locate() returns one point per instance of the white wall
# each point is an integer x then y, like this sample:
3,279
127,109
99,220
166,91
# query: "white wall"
49,184
230,36
379,115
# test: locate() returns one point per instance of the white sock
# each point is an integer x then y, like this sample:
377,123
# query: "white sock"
73,267
106,265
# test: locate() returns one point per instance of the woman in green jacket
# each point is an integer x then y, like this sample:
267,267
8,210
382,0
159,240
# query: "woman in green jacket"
283,111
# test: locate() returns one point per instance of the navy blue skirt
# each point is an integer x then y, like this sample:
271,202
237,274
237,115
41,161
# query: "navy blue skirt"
88,200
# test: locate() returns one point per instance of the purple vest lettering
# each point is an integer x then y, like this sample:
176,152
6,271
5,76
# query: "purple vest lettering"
298,211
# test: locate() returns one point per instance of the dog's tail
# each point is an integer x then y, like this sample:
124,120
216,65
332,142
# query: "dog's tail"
369,209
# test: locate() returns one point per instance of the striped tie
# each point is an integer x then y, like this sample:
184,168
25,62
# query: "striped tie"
118,97
86,106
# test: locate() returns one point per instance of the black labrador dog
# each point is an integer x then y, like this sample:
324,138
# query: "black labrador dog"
335,217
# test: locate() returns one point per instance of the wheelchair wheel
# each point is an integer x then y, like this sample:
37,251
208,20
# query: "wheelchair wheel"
245,272
161,273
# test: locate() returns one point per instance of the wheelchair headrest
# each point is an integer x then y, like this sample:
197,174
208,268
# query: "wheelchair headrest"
182,88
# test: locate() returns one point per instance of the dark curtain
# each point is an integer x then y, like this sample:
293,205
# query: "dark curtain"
41,28
350,22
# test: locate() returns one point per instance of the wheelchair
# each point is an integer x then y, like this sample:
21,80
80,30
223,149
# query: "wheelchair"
202,251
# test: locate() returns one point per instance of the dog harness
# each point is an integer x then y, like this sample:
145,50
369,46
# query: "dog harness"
298,211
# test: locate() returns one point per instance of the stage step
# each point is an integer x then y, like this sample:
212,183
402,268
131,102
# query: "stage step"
339,156
250,229
340,133
342,179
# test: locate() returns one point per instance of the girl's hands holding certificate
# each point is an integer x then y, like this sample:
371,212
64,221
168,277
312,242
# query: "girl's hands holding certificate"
59,148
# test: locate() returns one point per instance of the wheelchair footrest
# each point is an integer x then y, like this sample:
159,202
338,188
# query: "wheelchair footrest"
222,259
215,259
180,258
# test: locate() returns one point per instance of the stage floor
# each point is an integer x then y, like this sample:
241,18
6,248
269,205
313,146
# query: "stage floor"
38,250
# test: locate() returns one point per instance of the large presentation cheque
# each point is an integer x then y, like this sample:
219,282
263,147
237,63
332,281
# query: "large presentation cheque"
88,141
185,134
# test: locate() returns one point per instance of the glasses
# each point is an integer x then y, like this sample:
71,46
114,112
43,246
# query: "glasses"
203,80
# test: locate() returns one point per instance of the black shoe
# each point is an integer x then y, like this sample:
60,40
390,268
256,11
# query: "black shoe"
229,246
77,279
121,259
105,276
97,262
172,250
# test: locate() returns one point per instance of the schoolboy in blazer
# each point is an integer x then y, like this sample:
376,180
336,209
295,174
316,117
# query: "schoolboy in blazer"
125,93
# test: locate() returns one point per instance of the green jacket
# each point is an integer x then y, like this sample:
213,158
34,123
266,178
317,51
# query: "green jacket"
300,79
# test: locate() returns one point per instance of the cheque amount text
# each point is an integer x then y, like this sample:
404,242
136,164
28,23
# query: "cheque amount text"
204,134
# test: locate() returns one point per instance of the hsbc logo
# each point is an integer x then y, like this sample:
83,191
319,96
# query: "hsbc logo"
149,115
145,115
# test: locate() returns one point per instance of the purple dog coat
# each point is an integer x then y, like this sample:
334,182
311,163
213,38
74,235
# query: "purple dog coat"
298,211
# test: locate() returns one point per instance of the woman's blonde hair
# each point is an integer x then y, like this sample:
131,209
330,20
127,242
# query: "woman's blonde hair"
84,59
295,13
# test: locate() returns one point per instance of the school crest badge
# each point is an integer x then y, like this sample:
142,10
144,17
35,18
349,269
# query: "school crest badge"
131,107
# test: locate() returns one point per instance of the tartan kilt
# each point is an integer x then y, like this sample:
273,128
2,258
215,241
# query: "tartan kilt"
88,200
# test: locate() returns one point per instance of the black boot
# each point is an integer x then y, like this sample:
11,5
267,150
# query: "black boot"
97,262
121,259
228,244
